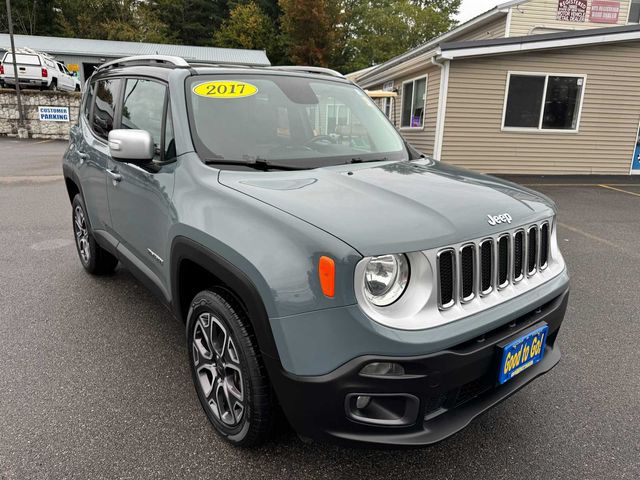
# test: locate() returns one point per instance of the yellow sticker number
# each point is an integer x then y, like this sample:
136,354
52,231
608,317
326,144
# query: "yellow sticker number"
225,89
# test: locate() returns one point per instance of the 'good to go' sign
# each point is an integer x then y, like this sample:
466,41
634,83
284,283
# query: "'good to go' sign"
53,114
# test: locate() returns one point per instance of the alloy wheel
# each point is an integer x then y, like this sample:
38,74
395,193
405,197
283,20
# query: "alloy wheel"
82,234
218,372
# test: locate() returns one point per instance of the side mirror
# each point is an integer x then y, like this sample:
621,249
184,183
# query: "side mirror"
135,146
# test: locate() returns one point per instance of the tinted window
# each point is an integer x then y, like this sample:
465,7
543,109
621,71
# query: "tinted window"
407,95
524,101
105,106
562,103
143,107
413,99
634,11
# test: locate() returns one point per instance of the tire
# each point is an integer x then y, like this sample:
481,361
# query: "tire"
77,89
227,370
95,259
54,85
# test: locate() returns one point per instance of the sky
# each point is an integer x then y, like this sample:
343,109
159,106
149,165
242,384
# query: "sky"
472,8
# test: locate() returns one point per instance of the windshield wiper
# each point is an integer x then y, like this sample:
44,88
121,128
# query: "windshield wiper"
360,160
258,164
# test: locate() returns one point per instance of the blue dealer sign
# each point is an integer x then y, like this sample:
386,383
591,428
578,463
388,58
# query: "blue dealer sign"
53,114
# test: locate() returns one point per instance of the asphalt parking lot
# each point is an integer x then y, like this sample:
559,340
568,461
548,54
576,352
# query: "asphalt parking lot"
94,381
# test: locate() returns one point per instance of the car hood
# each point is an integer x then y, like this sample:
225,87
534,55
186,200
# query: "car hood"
394,207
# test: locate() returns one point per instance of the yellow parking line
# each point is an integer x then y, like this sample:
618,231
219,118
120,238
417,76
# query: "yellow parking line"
620,190
43,141
591,236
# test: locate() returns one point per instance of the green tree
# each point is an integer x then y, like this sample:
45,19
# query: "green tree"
311,31
30,17
248,26
188,22
378,30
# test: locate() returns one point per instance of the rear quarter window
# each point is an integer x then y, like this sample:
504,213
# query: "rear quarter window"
88,101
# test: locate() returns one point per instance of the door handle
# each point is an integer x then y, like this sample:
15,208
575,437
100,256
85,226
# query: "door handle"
115,176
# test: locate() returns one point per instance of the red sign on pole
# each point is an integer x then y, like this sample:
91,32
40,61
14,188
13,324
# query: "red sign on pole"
605,11
572,10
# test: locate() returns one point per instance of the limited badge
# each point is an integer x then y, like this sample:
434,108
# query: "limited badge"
225,89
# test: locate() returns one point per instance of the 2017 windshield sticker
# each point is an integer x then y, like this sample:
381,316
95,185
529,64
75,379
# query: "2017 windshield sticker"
225,89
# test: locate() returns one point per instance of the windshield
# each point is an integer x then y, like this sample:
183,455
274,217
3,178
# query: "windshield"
305,122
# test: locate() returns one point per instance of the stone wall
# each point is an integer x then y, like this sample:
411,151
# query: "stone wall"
31,100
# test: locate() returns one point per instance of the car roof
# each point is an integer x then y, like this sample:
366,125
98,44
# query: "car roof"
160,66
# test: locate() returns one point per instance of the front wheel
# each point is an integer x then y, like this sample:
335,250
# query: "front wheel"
227,370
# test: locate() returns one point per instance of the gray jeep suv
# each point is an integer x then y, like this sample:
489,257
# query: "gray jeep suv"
322,265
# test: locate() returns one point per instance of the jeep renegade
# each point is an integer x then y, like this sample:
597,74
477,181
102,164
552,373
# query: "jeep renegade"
320,263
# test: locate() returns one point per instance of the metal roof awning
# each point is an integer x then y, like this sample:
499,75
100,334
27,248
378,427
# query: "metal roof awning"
109,49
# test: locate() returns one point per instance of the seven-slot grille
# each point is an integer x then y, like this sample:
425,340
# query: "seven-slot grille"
477,269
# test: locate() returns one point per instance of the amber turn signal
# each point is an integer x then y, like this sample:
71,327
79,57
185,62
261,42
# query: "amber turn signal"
327,272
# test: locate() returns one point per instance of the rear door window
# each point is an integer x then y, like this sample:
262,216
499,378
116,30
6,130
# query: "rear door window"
107,92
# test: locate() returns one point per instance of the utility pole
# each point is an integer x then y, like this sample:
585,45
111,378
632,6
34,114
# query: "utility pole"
15,67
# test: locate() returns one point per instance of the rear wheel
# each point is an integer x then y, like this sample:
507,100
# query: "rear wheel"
54,85
227,370
95,259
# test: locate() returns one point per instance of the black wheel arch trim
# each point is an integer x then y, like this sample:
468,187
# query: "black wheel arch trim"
239,284
69,174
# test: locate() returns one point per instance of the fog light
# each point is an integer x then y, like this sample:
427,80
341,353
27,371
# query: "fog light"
362,402
384,409
383,369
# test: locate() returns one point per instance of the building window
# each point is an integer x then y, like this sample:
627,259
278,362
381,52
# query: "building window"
414,93
386,107
634,11
543,102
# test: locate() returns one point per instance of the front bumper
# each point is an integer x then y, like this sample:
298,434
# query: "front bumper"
446,390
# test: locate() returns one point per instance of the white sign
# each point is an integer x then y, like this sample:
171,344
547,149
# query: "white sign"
53,114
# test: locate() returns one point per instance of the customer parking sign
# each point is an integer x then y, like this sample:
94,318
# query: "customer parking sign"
53,114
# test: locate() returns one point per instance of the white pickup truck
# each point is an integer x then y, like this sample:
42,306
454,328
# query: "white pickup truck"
37,70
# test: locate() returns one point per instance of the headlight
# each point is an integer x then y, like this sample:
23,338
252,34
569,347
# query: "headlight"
386,278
